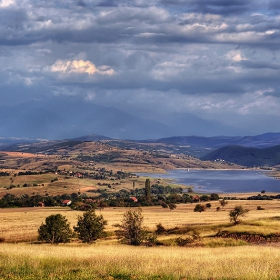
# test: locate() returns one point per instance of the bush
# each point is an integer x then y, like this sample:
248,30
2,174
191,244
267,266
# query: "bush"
236,213
208,205
172,206
214,196
223,202
55,230
164,205
160,229
260,208
151,240
131,230
199,208
183,241
90,227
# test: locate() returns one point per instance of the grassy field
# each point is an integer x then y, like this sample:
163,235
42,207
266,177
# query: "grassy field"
22,261
21,224
210,258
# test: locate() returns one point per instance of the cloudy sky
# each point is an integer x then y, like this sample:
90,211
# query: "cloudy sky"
203,67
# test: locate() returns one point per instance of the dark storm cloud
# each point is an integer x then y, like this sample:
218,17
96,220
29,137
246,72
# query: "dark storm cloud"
274,5
126,24
212,6
260,65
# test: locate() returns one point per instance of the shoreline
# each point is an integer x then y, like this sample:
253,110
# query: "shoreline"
202,189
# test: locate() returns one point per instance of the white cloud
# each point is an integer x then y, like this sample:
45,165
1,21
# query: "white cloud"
28,82
6,3
235,56
80,67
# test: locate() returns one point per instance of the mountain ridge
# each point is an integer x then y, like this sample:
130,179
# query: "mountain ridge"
246,156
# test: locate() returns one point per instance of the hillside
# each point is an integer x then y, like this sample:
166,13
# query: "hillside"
246,156
52,154
258,141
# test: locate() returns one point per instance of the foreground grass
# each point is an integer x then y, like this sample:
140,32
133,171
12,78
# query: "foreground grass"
22,261
209,258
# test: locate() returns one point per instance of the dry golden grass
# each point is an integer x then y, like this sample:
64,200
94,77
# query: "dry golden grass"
126,262
21,224
109,260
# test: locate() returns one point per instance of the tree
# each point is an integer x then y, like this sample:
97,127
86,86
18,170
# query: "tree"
214,196
160,229
199,208
148,190
236,213
208,205
90,226
172,206
223,202
55,230
131,230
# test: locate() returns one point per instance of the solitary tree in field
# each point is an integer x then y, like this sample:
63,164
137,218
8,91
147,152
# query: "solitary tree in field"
131,229
236,213
55,230
90,226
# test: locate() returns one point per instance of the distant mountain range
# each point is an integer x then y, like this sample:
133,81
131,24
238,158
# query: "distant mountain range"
259,141
246,156
60,118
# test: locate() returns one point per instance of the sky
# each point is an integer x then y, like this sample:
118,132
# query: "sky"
193,67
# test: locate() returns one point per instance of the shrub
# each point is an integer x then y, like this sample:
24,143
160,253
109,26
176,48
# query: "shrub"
90,227
236,213
151,240
260,208
131,230
164,205
199,208
208,205
172,206
183,241
55,230
223,202
160,229
214,196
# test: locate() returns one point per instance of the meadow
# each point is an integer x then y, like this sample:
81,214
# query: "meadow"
22,257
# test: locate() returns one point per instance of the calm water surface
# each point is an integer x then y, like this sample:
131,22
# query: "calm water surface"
223,181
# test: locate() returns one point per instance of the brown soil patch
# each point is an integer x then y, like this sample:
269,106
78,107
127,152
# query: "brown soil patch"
20,154
88,189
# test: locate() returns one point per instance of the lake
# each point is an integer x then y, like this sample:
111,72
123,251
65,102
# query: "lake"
222,181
